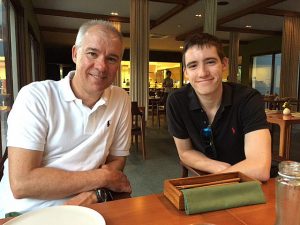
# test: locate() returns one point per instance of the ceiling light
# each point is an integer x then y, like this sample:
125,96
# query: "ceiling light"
198,15
114,13
248,26
181,47
223,3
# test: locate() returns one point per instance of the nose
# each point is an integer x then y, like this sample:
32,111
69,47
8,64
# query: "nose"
100,64
202,71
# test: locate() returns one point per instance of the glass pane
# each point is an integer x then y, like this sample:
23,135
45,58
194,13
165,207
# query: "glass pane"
277,68
157,73
262,73
4,96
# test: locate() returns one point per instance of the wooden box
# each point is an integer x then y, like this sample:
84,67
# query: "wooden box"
172,187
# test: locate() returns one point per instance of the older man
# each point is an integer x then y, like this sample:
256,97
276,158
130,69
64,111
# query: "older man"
68,138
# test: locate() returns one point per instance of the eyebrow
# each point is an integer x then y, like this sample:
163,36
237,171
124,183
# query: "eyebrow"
191,63
96,50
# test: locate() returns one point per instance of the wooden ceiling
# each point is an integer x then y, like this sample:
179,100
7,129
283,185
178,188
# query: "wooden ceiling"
173,9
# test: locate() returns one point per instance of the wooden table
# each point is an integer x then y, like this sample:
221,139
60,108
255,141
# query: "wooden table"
157,210
285,124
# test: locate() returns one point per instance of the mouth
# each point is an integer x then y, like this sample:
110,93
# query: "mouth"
205,80
98,76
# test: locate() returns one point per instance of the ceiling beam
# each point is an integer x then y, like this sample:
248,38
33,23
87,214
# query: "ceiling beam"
248,30
248,10
180,2
63,13
171,13
241,13
67,30
276,12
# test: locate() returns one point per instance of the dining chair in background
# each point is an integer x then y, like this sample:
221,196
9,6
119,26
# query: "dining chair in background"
161,107
138,127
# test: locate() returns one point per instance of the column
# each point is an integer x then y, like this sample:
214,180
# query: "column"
117,81
139,51
210,16
290,57
234,42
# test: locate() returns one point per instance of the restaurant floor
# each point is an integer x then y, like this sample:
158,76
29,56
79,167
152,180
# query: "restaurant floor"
147,176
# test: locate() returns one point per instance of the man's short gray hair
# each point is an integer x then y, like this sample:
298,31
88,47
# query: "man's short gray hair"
106,26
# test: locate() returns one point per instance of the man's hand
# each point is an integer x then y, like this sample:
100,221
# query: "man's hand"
116,180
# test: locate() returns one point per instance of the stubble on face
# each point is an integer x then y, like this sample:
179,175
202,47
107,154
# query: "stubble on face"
95,70
204,70
98,60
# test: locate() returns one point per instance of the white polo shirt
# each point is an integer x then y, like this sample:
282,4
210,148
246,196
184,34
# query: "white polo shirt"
47,116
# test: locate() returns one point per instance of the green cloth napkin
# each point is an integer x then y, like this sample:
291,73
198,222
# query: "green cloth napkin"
211,198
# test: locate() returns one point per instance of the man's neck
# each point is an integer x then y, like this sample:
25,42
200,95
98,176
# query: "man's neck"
211,103
87,98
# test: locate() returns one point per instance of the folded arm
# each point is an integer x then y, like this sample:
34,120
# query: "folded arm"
29,179
258,155
257,150
196,159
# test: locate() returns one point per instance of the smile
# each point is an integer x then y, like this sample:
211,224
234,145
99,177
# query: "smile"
98,76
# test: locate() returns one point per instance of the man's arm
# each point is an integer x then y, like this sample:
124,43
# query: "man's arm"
196,159
86,198
29,179
115,162
257,150
258,155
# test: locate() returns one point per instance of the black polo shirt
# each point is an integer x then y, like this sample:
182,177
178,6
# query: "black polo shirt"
241,111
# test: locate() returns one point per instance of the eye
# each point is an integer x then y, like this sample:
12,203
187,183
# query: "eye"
92,55
211,62
112,60
192,66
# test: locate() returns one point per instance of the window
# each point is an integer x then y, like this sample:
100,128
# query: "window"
9,62
266,73
157,73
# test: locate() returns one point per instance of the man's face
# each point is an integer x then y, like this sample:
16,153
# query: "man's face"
97,60
204,69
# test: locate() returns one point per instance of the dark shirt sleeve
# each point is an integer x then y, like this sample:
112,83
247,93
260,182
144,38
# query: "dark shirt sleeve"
176,124
253,116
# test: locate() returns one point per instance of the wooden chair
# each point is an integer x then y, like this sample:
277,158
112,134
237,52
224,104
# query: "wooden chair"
161,107
138,127
3,158
185,169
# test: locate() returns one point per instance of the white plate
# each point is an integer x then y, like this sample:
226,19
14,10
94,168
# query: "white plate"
59,215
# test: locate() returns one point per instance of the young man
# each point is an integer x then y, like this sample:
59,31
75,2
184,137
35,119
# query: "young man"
217,127
70,137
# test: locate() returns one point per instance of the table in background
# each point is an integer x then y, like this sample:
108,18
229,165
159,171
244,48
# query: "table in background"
285,123
158,210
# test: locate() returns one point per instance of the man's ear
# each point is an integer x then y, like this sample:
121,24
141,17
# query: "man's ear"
74,53
224,63
185,73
